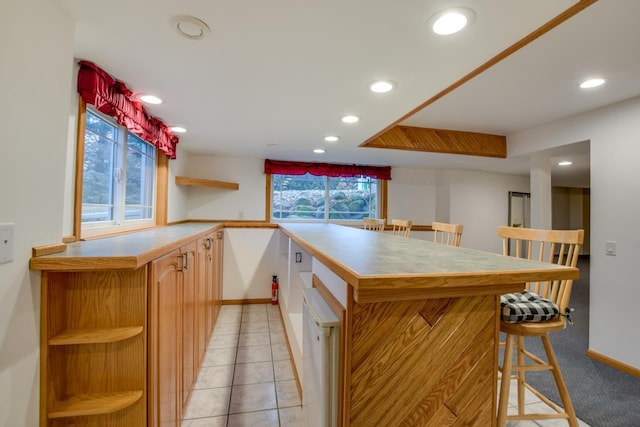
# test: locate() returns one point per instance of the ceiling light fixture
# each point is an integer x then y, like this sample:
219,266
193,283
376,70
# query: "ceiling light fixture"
588,84
319,150
331,138
190,27
451,21
350,119
382,86
150,99
565,163
178,129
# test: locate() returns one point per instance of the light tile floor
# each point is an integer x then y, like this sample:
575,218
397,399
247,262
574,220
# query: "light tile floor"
247,378
533,405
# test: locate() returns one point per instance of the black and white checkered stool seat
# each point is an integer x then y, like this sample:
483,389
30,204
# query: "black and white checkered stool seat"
527,307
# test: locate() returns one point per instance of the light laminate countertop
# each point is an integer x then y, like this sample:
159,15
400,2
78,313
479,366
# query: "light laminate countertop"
375,264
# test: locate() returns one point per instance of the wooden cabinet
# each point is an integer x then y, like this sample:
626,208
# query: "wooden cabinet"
204,303
217,251
190,360
165,340
93,348
124,326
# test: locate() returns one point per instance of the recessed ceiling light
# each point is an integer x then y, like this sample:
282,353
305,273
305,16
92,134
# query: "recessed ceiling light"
451,21
565,163
190,27
350,119
382,86
587,84
331,138
150,99
178,129
319,150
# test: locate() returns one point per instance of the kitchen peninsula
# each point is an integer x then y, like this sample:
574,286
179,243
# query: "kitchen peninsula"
419,322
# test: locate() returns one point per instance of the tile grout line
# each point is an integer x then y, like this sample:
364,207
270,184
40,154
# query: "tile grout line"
273,368
233,371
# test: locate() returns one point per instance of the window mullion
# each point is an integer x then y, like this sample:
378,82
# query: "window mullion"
121,176
327,198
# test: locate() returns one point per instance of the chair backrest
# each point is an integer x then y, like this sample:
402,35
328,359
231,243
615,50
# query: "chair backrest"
560,247
401,227
373,224
448,234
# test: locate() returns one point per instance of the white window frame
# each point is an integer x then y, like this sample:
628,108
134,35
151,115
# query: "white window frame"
119,223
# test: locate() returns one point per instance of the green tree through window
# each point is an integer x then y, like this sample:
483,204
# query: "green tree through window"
309,197
118,174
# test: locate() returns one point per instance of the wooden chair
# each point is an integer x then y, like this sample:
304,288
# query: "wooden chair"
560,247
401,227
374,224
448,234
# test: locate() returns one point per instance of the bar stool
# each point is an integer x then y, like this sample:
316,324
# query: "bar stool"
448,234
401,227
373,224
523,315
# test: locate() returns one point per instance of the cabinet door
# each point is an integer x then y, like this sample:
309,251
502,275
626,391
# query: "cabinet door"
217,271
207,277
189,320
202,306
165,341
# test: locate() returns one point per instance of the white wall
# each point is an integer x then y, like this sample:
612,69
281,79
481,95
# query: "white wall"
480,201
36,71
412,195
248,202
177,196
614,133
250,261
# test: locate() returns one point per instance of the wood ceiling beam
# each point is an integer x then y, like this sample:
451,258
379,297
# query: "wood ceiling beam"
542,30
441,141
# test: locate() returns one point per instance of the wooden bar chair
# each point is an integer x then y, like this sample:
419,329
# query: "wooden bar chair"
401,227
448,234
560,247
374,224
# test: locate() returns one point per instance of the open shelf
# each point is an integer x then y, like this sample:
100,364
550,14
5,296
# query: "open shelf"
196,182
94,404
94,336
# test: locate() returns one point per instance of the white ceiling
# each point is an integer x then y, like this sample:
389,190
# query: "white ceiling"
273,78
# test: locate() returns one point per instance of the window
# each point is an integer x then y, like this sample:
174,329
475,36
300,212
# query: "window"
323,198
119,177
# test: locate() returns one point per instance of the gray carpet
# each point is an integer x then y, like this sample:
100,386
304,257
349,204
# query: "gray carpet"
602,396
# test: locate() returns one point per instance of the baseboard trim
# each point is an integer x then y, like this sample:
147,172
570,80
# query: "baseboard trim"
631,370
246,301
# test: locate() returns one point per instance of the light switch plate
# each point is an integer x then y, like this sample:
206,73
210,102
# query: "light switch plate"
6,243
611,248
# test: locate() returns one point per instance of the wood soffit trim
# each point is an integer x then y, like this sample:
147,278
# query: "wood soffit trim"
441,141
542,30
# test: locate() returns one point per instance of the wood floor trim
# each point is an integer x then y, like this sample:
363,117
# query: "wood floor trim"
616,364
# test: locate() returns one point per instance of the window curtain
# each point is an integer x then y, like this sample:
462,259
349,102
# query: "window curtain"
326,169
111,97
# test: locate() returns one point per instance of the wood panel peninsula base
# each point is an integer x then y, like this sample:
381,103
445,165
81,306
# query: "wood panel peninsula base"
419,323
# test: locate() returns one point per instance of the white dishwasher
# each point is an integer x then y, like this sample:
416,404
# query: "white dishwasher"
320,356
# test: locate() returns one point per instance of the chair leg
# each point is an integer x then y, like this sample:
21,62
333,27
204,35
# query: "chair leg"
560,384
505,382
520,373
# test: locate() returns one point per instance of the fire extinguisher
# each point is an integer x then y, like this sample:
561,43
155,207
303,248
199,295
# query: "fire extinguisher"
274,290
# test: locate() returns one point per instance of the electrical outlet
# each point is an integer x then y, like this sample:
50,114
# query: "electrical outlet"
6,243
611,249
240,214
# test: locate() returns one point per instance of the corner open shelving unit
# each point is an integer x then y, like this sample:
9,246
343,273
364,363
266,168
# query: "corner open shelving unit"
94,348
